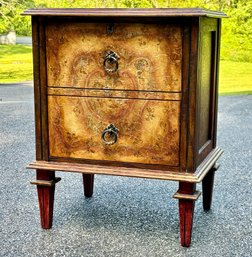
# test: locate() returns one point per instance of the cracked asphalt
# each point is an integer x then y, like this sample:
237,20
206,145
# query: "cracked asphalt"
126,217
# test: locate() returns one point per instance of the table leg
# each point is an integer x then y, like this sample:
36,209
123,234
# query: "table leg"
207,188
46,196
186,195
88,184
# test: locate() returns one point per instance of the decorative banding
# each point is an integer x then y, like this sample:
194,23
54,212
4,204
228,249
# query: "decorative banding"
114,93
48,183
193,197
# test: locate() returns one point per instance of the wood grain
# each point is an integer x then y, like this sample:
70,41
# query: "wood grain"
148,129
149,56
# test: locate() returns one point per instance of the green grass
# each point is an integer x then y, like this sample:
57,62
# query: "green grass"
235,78
16,66
15,63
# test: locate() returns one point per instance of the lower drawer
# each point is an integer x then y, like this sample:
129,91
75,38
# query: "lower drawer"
149,130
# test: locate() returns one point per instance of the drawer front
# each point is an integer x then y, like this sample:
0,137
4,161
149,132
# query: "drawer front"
148,56
148,129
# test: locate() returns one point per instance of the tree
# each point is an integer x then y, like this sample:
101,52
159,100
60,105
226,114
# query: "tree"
11,19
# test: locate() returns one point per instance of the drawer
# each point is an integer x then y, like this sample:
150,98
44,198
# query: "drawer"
146,56
149,128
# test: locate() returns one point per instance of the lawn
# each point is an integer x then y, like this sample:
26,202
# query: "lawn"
16,66
15,63
235,77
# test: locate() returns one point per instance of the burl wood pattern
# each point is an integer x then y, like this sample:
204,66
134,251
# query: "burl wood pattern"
149,55
148,129
83,98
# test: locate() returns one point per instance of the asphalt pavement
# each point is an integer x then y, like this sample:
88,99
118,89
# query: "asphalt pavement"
126,217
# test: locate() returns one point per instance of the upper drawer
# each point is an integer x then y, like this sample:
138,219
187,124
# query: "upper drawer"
148,56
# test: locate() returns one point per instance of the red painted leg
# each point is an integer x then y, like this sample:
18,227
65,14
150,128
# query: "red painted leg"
207,188
88,184
186,210
46,197
187,196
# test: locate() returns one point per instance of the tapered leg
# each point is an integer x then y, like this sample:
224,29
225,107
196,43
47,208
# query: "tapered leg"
46,197
207,188
186,210
88,184
187,196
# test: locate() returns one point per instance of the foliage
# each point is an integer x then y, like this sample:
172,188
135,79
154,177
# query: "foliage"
236,30
237,33
10,18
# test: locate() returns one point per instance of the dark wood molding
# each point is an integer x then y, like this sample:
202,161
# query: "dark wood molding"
125,12
43,88
132,172
184,110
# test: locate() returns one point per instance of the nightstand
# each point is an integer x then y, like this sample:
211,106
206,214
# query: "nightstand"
127,92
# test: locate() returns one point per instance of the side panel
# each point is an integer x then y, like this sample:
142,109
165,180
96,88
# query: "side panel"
207,84
40,86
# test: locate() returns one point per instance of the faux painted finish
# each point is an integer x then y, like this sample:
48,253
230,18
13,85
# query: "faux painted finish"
149,56
148,129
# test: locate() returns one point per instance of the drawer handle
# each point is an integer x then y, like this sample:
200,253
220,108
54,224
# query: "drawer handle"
109,134
111,62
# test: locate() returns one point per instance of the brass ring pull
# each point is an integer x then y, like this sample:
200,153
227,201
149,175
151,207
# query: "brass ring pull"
109,134
110,63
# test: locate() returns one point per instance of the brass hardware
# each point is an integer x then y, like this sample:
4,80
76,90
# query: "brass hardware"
110,63
110,132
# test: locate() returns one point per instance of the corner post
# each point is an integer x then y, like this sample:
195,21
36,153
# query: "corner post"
45,187
186,195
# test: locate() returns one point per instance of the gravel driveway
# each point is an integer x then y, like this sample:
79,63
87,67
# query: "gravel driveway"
126,217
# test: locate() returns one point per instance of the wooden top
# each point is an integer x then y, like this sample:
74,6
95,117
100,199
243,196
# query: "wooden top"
125,12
